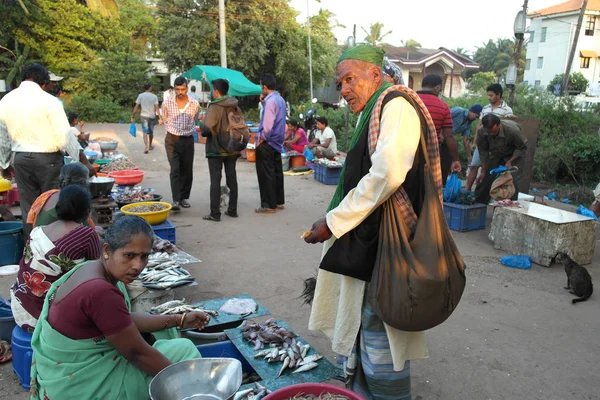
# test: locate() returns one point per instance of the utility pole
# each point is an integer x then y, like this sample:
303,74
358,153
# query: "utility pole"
565,82
223,33
353,43
517,59
309,51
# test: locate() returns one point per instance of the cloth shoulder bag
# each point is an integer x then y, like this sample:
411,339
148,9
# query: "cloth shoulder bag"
419,277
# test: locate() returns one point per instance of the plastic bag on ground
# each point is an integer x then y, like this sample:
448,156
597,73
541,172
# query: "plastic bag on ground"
239,306
452,188
132,129
522,262
586,213
5,310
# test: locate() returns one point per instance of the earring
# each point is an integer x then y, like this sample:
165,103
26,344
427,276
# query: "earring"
105,256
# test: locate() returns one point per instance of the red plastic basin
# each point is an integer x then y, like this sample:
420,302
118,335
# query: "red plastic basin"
311,388
127,177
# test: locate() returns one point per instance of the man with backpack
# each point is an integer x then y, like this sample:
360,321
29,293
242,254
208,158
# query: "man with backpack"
226,135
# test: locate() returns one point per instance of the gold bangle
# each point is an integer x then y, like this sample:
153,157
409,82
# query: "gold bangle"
182,319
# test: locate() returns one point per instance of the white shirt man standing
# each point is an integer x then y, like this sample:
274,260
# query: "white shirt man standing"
34,126
148,102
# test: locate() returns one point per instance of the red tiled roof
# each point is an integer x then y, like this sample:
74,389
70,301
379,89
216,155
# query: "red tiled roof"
568,6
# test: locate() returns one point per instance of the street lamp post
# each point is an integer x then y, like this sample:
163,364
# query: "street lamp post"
519,29
309,51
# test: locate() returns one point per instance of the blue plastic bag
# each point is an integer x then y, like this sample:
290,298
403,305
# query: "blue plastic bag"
5,310
308,154
522,262
132,129
498,170
452,188
586,213
552,196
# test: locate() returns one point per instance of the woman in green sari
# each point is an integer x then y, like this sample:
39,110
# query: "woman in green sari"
87,344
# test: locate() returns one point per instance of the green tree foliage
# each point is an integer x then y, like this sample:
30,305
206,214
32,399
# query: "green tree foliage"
481,80
262,37
494,56
118,74
577,82
11,63
462,51
411,44
375,34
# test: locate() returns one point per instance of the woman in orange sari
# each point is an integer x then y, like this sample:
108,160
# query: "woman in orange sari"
43,210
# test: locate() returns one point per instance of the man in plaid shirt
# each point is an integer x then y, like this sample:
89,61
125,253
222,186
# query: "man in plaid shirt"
179,115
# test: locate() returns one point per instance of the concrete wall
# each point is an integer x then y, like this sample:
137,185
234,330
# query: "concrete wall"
555,50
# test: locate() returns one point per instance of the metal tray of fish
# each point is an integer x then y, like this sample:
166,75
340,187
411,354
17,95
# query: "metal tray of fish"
269,371
224,318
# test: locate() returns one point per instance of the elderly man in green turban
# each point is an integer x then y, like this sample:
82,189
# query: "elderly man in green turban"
379,165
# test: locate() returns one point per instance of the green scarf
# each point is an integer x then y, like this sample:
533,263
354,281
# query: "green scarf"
220,99
363,122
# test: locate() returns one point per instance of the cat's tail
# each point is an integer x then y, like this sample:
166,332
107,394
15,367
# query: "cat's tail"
584,298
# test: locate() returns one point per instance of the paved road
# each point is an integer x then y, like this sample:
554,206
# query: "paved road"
515,334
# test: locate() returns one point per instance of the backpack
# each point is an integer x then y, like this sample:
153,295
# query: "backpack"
236,138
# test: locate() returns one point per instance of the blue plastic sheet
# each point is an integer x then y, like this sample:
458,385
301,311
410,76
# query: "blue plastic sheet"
522,262
452,188
586,213
132,129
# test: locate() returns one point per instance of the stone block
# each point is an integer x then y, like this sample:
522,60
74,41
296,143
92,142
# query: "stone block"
541,232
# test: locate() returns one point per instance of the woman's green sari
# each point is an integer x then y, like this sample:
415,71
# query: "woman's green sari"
64,368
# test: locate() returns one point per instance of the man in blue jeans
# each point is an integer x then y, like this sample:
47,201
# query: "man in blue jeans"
269,141
148,102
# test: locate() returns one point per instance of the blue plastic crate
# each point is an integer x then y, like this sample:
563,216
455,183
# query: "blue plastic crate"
331,176
463,218
225,349
166,231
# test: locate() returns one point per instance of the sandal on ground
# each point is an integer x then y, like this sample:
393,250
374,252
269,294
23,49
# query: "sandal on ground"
263,210
145,151
185,204
280,207
5,351
231,214
211,218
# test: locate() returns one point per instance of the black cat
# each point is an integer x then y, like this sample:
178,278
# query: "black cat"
579,280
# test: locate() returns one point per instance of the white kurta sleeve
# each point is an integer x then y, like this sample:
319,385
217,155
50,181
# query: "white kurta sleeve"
391,161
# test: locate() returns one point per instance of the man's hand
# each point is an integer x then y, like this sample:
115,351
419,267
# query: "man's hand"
91,170
319,233
8,173
481,177
455,166
508,164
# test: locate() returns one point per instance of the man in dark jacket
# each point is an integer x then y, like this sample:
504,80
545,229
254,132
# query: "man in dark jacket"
216,126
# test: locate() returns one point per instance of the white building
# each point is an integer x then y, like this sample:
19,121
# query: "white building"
551,33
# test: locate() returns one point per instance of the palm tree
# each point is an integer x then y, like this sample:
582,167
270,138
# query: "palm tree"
374,35
462,51
411,44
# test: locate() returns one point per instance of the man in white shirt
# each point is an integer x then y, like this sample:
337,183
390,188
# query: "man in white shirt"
148,103
379,165
324,145
35,128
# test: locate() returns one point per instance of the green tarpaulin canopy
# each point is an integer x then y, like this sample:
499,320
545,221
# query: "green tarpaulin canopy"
239,85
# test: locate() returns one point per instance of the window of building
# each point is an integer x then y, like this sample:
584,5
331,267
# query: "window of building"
584,62
525,83
531,36
590,25
537,84
543,38
527,64
540,62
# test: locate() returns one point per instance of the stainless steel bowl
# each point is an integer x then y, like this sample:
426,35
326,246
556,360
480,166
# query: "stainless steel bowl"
198,379
108,145
100,186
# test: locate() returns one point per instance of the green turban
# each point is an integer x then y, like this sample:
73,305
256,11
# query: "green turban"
373,55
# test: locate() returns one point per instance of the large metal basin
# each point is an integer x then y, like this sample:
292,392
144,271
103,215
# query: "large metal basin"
198,379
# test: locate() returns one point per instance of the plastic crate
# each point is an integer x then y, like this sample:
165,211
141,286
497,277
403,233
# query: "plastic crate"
225,349
166,231
331,176
463,218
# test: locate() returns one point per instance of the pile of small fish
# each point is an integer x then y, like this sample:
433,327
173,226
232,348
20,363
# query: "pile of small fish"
160,260
178,307
328,163
161,245
134,195
118,165
166,275
322,396
255,393
147,208
283,347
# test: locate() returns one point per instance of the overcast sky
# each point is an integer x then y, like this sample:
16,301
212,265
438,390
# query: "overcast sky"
433,23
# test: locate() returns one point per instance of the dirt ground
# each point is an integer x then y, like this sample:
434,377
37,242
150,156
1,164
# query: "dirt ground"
515,334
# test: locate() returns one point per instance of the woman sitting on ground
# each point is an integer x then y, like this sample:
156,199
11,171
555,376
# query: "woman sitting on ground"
51,251
88,344
43,210
299,139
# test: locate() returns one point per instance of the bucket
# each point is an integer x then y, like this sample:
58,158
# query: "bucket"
11,242
297,161
251,155
285,161
316,389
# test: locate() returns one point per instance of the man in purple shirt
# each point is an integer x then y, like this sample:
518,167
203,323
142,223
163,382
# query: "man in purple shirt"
269,139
